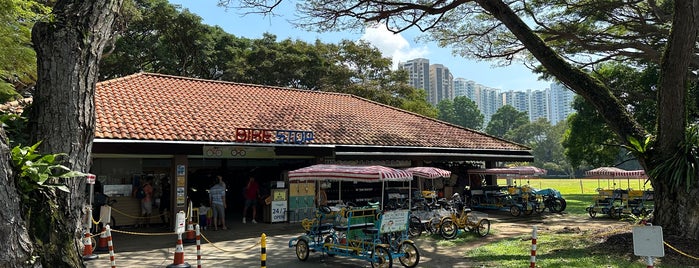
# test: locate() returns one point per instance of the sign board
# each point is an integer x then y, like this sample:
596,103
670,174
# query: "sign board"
180,196
180,170
648,241
278,211
179,221
279,194
91,178
394,221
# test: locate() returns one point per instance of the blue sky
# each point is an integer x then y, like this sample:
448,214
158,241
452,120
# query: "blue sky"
399,47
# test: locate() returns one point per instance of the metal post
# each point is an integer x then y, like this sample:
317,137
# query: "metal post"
532,262
263,251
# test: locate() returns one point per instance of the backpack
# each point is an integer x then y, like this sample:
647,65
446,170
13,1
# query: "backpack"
140,193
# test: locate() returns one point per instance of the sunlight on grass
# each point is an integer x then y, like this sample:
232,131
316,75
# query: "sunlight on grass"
553,250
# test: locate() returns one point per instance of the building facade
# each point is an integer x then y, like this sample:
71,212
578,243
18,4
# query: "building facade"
182,132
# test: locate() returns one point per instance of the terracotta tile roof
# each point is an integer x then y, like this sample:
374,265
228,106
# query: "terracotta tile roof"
148,106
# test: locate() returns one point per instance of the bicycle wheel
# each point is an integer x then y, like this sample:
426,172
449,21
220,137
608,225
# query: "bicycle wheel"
411,256
483,227
562,205
380,257
448,229
414,227
302,250
433,225
515,210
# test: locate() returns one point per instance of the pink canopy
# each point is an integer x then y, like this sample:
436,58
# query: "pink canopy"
521,170
615,172
429,172
349,173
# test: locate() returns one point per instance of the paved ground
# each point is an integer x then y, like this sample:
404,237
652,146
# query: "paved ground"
239,245
236,247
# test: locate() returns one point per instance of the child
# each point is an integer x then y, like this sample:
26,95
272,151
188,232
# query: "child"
203,212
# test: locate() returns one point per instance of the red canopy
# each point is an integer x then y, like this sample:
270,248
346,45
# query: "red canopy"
615,172
349,173
521,170
429,172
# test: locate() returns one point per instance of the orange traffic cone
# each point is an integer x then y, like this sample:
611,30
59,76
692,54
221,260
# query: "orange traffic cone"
102,246
190,234
87,249
178,261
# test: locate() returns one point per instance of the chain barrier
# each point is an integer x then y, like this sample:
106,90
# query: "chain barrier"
145,234
229,251
138,217
680,252
97,234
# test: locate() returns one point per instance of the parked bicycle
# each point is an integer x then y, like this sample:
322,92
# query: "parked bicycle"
461,218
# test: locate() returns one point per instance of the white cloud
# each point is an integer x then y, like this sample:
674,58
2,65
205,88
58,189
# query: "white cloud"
392,45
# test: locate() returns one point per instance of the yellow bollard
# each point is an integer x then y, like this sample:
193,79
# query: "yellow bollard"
263,251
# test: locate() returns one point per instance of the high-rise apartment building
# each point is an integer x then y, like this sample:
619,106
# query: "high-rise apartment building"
461,88
435,79
553,103
441,84
560,103
538,104
517,99
418,73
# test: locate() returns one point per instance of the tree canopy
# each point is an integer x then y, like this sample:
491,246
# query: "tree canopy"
162,39
567,40
17,57
461,111
505,119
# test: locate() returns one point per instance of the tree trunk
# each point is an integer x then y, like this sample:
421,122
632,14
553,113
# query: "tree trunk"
17,249
62,117
676,211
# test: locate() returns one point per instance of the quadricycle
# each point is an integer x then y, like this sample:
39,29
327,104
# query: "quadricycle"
368,233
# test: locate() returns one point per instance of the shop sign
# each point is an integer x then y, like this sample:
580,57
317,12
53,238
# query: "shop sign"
273,136
278,211
238,152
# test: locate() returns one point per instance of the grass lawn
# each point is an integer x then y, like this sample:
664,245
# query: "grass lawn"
565,249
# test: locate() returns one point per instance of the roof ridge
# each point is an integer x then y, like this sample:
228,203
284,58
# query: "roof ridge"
223,82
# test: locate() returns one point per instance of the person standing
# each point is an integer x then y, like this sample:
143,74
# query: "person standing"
217,199
250,193
147,201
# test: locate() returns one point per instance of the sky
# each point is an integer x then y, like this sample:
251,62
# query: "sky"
400,47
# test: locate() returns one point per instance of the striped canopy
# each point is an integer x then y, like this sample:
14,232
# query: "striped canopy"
615,172
522,170
349,173
429,172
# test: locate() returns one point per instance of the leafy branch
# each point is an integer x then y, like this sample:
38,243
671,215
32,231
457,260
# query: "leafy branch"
34,170
681,168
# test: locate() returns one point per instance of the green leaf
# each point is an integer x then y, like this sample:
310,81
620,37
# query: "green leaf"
61,187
